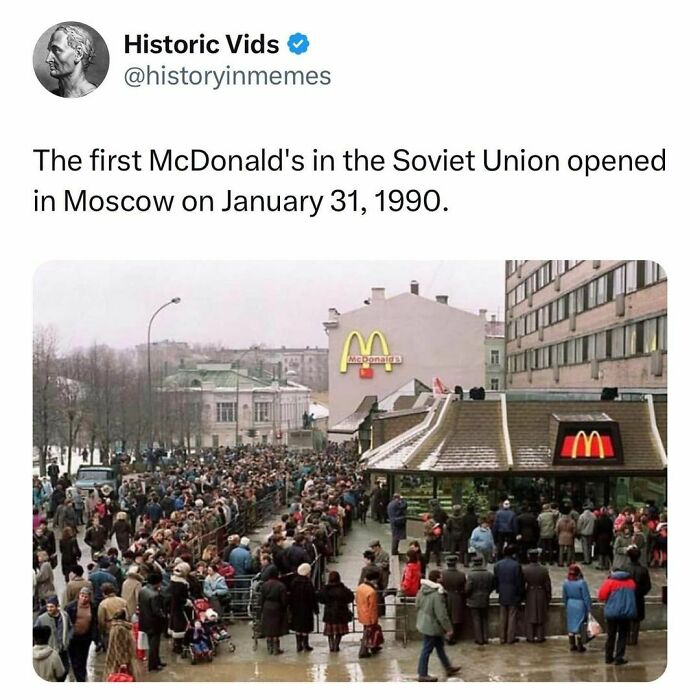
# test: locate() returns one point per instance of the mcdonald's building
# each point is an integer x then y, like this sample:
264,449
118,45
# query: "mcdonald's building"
532,447
393,348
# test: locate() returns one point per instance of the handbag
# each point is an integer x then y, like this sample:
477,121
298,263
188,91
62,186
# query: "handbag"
375,636
593,628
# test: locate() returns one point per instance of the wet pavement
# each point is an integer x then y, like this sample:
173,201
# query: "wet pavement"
551,661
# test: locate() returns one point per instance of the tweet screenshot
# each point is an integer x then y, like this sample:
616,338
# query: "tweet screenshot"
295,413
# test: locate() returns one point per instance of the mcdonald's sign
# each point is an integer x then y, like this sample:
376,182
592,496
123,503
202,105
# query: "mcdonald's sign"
364,357
597,442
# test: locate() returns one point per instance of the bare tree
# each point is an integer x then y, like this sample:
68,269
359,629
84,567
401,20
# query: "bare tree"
45,392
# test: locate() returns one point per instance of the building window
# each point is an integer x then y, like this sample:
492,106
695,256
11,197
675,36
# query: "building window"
214,440
592,295
631,276
226,412
602,289
494,384
651,342
495,357
262,412
619,280
618,342
662,333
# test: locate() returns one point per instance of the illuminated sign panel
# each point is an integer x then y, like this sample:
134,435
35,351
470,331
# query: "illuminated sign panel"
365,358
588,443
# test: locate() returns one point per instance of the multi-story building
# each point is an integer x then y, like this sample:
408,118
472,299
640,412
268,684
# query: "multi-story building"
210,395
586,324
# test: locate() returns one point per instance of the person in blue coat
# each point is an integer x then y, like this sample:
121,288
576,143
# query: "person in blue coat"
481,540
577,601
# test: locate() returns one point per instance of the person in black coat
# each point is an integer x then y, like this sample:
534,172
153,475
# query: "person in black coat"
180,605
273,611
642,580
70,551
603,535
471,522
528,532
480,583
336,599
510,589
152,618
303,606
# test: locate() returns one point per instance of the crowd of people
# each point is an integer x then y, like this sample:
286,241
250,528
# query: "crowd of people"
182,562
523,546
180,536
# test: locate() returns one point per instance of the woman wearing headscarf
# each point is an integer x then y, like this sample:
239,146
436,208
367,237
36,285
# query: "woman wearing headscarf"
273,603
577,602
131,588
336,599
179,605
121,652
216,589
303,604
70,551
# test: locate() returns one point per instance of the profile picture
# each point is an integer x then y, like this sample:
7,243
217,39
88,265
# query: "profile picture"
71,59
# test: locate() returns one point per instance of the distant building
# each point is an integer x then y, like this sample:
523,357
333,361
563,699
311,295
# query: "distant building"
586,324
222,406
310,365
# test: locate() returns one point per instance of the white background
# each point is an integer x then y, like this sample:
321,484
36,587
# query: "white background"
601,77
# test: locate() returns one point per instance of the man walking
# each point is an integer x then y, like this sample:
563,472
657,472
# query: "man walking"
618,594
434,624
509,586
152,619
382,561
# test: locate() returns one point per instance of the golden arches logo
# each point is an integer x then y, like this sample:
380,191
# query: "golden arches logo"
587,443
365,358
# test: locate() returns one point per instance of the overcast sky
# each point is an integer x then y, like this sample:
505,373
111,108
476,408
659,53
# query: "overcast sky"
238,303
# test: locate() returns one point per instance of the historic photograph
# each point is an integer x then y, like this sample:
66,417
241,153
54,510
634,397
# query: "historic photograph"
412,471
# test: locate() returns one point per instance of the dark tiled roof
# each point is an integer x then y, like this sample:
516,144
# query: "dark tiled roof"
470,437
532,437
661,410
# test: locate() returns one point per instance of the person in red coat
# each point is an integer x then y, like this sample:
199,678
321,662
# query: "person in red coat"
410,581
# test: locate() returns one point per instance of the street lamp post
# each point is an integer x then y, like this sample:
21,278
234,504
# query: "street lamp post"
174,300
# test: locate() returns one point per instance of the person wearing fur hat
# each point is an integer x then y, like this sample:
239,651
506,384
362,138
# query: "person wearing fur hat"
273,605
303,605
179,604
336,599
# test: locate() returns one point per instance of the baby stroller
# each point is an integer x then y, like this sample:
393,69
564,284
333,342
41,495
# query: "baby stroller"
205,633
198,645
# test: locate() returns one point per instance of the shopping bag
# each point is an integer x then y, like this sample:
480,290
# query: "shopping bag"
375,637
593,628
